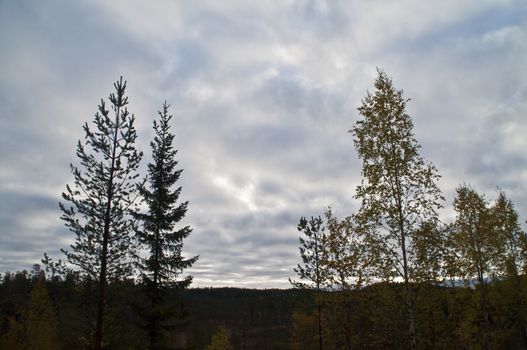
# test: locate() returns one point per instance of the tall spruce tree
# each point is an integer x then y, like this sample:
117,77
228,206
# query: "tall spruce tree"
398,192
101,198
165,263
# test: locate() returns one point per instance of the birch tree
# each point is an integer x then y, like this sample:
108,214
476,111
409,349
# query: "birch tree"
475,245
398,192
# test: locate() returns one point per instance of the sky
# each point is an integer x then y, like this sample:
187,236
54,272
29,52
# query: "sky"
263,95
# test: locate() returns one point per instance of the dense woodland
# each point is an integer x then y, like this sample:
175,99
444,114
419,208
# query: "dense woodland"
391,275
58,314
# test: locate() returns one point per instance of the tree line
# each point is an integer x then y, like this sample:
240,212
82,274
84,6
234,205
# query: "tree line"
370,317
396,237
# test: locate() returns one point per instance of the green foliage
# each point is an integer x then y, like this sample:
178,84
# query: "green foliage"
474,243
473,239
343,260
344,264
220,340
510,239
510,263
398,193
486,244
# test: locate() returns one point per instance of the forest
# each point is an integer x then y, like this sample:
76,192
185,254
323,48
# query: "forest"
56,314
394,274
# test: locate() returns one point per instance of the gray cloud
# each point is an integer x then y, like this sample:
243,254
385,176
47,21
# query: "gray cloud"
30,227
263,95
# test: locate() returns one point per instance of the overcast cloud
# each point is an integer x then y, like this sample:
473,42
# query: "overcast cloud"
263,93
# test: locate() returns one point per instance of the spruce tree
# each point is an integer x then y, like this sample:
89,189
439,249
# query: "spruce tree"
164,264
398,193
103,193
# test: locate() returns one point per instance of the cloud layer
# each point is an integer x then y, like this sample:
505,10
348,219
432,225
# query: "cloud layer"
263,94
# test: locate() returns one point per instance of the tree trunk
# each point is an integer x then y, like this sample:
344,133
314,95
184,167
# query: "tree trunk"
154,317
319,327
486,317
406,277
104,265
105,239
348,326
102,291
411,320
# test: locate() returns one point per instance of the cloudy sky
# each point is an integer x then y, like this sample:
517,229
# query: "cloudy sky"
263,93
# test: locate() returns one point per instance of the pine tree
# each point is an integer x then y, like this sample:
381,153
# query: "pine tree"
398,191
313,250
165,263
101,198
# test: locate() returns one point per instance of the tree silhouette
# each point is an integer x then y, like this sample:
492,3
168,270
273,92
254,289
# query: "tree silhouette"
101,197
165,263
313,250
